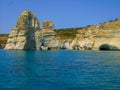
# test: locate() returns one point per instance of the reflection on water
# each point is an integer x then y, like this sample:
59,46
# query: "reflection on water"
60,70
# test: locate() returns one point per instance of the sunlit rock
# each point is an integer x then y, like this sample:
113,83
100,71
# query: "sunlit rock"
22,35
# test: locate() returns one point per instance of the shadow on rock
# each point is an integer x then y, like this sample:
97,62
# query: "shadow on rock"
108,47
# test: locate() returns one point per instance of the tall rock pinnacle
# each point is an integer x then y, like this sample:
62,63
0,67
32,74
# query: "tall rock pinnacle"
47,38
28,19
22,35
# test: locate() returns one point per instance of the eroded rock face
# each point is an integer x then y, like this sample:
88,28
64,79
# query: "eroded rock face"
96,39
22,35
27,34
66,44
83,41
46,38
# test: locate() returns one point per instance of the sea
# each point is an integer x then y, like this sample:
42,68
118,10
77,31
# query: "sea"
59,70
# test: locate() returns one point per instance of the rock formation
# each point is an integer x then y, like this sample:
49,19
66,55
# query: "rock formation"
99,37
66,44
46,38
49,25
23,34
28,35
83,41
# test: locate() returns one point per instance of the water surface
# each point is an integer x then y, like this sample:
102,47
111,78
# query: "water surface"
59,70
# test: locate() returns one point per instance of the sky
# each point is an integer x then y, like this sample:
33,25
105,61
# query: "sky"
64,13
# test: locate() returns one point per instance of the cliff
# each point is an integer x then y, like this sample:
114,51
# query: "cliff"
105,36
22,35
28,35
47,38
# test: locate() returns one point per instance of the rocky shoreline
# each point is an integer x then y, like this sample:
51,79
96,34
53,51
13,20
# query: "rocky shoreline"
28,35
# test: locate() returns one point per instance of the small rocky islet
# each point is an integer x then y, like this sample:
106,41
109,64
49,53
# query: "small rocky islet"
28,35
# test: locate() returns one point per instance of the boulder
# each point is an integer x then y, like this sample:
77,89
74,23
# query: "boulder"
22,35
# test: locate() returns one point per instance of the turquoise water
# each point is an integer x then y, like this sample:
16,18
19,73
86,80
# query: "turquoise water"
59,70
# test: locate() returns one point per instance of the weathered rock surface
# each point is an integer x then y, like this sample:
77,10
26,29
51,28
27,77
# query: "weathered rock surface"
22,35
49,25
46,38
99,37
28,35
66,44
83,41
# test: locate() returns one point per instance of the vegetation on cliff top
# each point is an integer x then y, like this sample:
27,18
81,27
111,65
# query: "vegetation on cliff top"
70,33
67,33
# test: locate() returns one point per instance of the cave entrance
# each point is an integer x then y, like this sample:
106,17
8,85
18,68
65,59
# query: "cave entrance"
108,47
